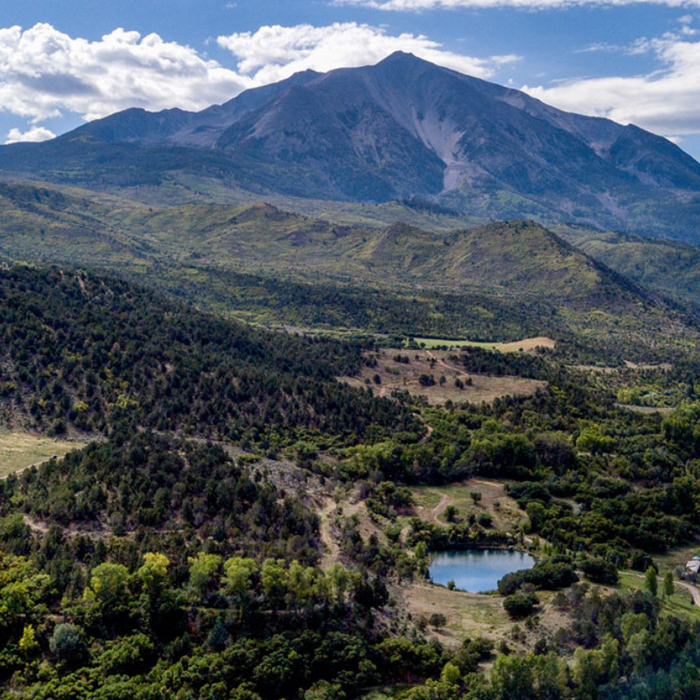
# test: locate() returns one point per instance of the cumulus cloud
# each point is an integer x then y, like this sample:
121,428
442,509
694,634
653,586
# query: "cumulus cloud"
666,101
417,5
44,72
273,53
33,135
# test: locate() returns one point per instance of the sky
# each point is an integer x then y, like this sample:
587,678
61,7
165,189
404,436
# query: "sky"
63,62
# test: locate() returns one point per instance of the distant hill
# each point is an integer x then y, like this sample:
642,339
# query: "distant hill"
669,267
500,281
519,258
400,129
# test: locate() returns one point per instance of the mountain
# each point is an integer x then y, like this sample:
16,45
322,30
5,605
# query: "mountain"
401,128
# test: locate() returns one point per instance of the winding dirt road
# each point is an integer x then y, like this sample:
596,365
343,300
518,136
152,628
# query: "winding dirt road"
694,591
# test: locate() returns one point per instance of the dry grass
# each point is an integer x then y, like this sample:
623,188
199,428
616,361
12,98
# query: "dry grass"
527,345
646,410
473,615
19,450
431,502
397,376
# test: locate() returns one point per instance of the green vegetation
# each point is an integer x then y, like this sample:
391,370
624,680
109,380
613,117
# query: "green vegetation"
255,514
665,266
506,281
83,352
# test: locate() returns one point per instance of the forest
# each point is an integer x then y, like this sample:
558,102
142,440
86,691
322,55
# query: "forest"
237,523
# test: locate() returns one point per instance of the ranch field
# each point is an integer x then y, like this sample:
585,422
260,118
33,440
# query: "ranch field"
525,345
398,376
19,450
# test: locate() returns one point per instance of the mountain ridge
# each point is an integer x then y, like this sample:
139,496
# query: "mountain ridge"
399,129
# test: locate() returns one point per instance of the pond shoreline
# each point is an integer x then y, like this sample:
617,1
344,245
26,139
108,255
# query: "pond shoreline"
476,569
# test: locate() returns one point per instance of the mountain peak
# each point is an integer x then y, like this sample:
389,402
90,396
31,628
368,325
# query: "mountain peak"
400,56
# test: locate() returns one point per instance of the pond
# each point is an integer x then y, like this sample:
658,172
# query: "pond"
477,570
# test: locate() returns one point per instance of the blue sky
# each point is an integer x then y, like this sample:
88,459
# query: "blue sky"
64,61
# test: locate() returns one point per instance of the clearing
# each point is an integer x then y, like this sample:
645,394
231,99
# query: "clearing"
646,410
525,345
19,450
431,502
433,375
474,615
678,556
680,604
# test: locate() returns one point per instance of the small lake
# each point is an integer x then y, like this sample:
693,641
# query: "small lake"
477,570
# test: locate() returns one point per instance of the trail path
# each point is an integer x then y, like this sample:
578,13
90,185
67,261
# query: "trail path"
432,513
331,551
444,364
429,432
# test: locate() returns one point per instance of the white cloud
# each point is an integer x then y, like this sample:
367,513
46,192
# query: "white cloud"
666,101
44,72
274,52
34,135
417,5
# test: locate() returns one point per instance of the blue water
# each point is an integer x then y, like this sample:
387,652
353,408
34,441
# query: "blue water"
477,570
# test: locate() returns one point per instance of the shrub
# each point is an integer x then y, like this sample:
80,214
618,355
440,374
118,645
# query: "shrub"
66,644
520,604
437,620
600,571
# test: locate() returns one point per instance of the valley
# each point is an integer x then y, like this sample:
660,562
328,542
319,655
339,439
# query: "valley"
261,365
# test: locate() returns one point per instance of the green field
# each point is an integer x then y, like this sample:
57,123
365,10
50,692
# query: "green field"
19,450
680,603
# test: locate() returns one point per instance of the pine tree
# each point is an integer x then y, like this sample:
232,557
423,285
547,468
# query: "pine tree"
668,584
652,582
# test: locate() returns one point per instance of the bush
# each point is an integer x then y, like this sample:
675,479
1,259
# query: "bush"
437,620
549,575
520,604
426,380
66,645
600,571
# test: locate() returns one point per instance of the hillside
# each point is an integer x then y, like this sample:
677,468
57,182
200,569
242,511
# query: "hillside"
86,353
402,128
501,281
293,555
668,267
